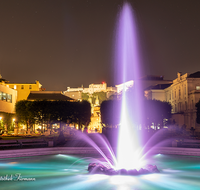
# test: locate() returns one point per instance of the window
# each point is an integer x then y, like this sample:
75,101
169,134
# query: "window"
4,96
197,87
30,86
9,98
22,86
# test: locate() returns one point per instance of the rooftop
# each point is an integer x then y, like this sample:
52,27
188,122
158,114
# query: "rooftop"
195,75
158,87
48,95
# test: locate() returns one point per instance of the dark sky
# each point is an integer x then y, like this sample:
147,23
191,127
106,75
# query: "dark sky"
65,43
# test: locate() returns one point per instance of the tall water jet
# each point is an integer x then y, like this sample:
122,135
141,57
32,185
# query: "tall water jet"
127,68
127,63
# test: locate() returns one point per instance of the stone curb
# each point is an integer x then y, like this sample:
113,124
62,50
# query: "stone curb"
89,150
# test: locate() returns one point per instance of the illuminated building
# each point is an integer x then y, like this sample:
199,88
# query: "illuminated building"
92,88
182,94
24,89
156,92
8,97
124,86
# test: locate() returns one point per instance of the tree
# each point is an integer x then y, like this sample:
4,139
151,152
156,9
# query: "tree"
6,121
110,112
46,112
197,105
156,112
153,111
42,111
81,113
85,112
84,96
101,96
24,112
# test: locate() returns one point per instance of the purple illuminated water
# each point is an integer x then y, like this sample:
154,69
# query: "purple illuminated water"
128,67
127,64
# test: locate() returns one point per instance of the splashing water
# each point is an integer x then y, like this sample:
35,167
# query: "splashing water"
127,64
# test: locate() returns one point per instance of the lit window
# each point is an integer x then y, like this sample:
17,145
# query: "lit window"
4,96
15,87
9,98
197,87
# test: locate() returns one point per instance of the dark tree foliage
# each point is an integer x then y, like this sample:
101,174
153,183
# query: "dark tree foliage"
84,96
25,112
101,96
47,112
198,112
110,112
82,113
153,111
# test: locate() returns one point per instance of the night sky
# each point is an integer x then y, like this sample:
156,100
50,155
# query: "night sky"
65,43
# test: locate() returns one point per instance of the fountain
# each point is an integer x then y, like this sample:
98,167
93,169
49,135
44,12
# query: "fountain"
61,171
129,152
52,172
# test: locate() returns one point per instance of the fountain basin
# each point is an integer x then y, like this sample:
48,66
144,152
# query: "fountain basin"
54,168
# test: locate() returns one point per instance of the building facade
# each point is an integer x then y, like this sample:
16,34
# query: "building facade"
24,89
8,98
182,94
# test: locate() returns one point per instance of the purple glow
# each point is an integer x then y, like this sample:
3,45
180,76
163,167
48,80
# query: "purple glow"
127,65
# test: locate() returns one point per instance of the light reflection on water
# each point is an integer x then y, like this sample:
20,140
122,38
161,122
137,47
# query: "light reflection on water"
59,172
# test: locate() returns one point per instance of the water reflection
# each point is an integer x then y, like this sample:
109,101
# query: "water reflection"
57,172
